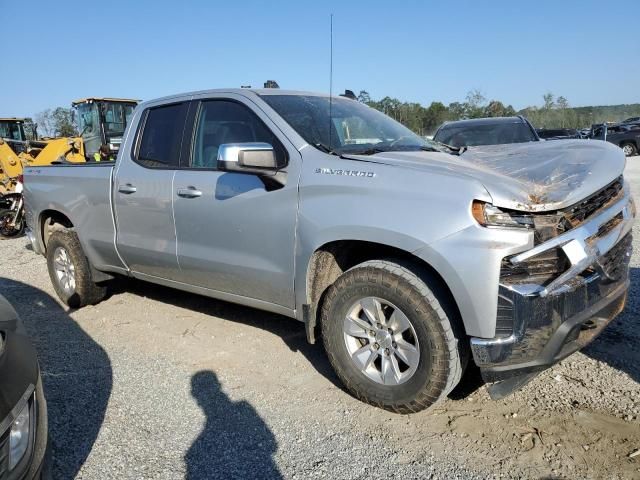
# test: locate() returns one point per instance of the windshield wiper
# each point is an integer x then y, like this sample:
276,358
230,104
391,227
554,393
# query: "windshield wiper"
426,148
453,150
325,149
370,151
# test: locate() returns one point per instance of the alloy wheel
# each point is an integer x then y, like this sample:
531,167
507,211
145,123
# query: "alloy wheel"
381,341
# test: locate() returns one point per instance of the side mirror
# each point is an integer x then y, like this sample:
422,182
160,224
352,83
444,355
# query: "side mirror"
258,158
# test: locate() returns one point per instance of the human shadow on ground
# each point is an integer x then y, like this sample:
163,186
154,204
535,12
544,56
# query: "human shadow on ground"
617,345
234,443
76,374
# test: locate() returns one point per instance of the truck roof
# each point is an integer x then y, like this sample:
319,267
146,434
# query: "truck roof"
104,99
242,91
11,119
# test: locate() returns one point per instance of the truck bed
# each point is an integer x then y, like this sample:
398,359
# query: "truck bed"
82,192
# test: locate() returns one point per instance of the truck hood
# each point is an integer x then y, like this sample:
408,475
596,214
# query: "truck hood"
537,176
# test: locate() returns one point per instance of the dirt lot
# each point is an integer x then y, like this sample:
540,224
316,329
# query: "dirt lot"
155,383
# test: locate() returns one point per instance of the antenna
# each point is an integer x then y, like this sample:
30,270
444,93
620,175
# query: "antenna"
330,79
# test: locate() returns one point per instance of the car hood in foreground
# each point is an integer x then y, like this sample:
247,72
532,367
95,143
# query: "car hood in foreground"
18,360
537,176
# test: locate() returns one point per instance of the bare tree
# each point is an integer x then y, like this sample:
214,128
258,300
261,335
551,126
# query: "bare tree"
55,123
548,101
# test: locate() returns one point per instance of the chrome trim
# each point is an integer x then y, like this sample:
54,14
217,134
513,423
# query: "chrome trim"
583,249
581,245
230,152
13,414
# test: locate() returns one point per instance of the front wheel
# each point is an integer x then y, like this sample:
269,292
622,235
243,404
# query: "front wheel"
389,339
70,272
629,149
11,223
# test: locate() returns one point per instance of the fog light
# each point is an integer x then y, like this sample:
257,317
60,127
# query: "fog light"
19,437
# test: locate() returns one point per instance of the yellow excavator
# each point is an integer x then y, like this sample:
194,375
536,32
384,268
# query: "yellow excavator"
100,121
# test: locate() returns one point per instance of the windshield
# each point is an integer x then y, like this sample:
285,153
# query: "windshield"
470,135
87,118
11,130
351,128
116,116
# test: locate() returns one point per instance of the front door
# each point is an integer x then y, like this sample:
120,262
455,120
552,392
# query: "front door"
143,192
235,233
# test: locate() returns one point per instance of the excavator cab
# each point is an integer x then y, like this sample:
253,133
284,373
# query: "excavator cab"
101,121
12,132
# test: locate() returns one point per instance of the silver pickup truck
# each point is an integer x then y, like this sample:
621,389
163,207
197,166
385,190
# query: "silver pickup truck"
407,257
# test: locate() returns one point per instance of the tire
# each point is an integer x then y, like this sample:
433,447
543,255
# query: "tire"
65,255
434,334
5,229
629,149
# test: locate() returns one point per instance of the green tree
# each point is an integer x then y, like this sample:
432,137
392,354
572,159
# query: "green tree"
56,122
434,116
562,105
456,111
496,108
364,97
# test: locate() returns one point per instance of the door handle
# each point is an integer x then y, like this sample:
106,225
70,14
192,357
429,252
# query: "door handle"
189,192
128,188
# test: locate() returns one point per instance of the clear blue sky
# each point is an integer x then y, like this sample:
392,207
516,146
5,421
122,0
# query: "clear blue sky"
513,51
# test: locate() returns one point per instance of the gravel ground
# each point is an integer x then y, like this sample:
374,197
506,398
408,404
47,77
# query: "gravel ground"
156,383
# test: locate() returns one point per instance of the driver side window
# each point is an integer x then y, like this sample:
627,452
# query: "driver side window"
224,121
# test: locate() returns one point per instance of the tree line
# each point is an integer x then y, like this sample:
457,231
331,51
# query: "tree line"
554,112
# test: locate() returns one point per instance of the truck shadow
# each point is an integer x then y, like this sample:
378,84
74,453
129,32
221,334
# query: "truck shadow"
76,374
291,331
235,442
617,345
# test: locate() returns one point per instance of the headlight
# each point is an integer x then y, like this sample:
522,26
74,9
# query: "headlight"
488,215
19,437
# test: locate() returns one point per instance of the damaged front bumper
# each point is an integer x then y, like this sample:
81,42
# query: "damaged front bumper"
543,323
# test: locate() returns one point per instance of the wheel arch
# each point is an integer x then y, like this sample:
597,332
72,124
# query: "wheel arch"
328,261
49,221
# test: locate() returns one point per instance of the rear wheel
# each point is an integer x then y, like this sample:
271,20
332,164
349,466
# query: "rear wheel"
629,149
9,227
70,272
389,339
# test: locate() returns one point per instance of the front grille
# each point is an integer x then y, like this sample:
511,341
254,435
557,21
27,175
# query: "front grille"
614,262
540,269
4,454
583,210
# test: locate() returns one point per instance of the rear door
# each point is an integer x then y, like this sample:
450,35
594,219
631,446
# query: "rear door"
236,233
143,191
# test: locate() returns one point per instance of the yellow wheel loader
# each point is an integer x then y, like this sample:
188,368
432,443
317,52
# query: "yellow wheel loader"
12,142
100,121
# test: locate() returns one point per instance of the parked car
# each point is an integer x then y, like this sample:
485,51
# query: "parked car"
486,131
558,133
627,137
409,256
23,410
632,120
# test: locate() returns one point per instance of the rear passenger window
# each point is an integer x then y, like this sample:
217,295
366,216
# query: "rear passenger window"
223,121
162,136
